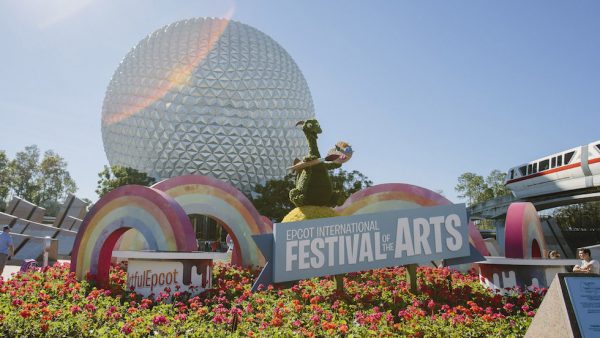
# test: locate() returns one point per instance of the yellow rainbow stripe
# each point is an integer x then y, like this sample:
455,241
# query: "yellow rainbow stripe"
209,196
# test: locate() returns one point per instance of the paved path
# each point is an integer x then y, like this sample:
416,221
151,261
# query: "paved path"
9,270
12,269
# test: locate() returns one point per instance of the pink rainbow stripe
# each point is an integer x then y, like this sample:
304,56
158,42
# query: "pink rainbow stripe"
393,196
162,222
522,228
220,200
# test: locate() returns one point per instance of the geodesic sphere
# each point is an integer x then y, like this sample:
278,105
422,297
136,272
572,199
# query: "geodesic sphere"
207,96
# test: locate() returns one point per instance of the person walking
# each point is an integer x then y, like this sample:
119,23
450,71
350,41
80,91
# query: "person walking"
588,264
7,248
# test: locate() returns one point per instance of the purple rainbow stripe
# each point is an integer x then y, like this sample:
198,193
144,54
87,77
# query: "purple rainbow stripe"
215,198
162,222
394,196
522,228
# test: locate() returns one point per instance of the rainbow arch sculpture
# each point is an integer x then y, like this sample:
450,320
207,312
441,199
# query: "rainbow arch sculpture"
212,197
160,215
395,196
158,218
524,237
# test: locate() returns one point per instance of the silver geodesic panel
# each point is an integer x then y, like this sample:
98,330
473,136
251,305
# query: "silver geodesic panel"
207,96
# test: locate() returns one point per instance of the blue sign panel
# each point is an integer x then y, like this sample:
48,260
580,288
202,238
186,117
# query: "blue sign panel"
585,299
331,246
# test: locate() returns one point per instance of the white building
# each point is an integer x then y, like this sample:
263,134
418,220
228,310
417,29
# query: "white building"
207,96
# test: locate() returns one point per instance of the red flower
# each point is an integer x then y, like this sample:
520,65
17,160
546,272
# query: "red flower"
126,329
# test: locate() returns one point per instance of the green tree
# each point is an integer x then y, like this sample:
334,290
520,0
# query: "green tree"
5,179
476,189
53,182
117,176
470,186
495,182
43,183
578,216
272,198
24,169
348,182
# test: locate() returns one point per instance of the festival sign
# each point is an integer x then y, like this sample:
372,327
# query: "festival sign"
331,246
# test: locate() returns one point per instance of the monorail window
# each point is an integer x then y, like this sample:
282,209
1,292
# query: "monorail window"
512,174
523,170
569,156
598,146
544,165
529,169
553,164
559,161
535,167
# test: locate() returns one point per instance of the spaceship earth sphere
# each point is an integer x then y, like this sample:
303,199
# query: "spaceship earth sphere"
207,96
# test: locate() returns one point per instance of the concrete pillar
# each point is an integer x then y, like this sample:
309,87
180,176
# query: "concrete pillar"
500,229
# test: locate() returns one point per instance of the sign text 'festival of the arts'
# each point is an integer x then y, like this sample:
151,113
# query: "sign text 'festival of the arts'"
330,246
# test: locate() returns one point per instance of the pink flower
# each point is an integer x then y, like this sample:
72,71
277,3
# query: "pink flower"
160,320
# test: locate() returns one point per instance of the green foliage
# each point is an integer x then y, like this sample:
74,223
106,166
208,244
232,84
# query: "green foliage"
54,181
578,216
24,170
43,183
272,198
313,186
348,182
477,189
117,176
5,179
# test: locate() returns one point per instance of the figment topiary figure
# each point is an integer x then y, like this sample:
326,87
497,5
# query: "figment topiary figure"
313,185
313,195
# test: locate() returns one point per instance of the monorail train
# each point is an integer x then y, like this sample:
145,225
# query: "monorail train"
572,169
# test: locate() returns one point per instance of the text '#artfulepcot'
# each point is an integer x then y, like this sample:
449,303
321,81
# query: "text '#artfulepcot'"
330,246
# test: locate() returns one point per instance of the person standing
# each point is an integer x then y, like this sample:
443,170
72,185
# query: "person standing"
7,248
588,264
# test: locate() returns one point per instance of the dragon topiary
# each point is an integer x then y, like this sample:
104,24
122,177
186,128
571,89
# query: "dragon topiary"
313,185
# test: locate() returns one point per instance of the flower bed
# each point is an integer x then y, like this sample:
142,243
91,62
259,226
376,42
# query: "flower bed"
449,304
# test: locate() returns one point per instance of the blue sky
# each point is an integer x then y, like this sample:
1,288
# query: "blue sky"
423,90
